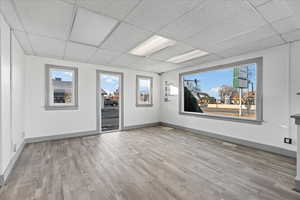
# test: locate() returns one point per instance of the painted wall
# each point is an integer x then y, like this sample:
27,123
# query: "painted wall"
18,93
295,81
275,102
11,95
40,122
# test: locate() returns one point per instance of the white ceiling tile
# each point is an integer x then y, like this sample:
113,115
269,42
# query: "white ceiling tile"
292,36
78,52
286,25
252,46
102,57
295,6
198,61
251,36
162,67
225,30
10,14
155,14
91,28
70,1
172,51
275,10
142,63
48,47
258,2
210,47
125,37
153,65
24,41
210,13
48,17
145,63
114,8
126,60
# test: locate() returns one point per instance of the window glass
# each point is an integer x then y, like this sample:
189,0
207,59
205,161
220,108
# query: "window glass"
144,91
229,92
61,86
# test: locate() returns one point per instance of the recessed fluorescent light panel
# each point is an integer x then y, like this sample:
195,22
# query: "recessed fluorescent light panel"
187,56
152,45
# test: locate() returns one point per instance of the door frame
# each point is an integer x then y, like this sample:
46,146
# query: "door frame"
121,100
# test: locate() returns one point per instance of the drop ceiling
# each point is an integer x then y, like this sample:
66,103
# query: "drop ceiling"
104,32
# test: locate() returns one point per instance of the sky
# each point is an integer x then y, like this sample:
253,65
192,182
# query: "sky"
144,85
211,81
65,76
110,83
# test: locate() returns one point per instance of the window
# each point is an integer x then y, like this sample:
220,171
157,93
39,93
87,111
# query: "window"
232,91
144,86
61,87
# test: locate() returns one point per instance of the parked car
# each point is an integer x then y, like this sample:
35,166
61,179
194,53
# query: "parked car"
110,102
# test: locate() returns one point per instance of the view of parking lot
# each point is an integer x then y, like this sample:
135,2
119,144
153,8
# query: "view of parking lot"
110,118
109,102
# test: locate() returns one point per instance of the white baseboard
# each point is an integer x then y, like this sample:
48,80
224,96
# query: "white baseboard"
12,163
126,128
263,147
61,136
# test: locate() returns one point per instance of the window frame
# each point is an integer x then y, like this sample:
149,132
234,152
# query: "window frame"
259,91
48,105
138,77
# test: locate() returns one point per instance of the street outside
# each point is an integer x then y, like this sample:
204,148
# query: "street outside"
230,110
110,118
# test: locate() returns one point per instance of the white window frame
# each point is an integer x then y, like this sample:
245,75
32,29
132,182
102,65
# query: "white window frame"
49,104
150,104
259,92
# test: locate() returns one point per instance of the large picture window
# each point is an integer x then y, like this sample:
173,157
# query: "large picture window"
144,94
61,87
232,91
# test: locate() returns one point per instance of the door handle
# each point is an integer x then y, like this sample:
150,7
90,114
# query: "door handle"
298,93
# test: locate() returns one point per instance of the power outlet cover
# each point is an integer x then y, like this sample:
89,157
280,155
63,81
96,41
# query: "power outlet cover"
288,140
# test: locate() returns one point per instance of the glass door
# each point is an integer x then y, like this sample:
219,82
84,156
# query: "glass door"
109,101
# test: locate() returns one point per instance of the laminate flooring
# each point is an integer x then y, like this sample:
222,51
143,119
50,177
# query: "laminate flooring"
149,163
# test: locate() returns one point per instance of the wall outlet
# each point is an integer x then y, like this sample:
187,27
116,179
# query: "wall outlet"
288,140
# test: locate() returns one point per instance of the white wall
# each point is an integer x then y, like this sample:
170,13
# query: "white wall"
12,95
18,93
275,103
295,80
40,122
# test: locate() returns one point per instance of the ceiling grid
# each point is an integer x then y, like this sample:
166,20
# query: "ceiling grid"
220,27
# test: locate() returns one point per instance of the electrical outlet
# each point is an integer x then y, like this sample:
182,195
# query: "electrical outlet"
288,140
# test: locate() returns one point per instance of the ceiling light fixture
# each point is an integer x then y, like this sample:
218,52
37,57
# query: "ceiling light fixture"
152,45
187,56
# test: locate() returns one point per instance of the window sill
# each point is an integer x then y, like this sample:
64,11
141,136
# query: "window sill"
217,117
61,107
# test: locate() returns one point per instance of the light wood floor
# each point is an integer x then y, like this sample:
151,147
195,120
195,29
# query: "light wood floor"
150,163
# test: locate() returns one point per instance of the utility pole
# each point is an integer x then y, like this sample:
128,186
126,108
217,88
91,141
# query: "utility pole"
240,110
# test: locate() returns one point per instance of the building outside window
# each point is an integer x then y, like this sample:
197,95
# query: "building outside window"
232,91
61,87
144,96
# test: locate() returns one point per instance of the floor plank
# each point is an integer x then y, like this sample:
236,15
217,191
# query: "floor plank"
150,163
